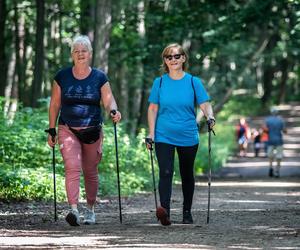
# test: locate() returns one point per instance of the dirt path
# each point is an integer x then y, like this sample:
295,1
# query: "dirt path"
250,211
245,214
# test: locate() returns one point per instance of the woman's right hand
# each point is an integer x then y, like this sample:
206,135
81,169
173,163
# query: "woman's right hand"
149,142
52,136
52,142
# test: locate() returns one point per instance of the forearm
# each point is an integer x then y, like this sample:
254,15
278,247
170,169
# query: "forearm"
207,110
108,99
53,114
110,105
54,105
152,115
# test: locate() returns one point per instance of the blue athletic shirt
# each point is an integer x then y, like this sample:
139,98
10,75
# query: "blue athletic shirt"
80,99
176,123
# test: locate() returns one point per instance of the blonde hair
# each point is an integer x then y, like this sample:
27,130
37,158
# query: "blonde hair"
167,51
84,40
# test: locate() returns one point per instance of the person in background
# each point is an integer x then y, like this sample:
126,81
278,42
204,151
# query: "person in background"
243,134
275,126
256,142
76,95
264,138
172,126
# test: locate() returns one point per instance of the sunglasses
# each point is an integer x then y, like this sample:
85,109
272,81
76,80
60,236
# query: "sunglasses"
176,56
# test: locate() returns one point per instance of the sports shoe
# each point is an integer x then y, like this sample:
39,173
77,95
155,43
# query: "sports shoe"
187,217
163,216
276,174
89,217
73,218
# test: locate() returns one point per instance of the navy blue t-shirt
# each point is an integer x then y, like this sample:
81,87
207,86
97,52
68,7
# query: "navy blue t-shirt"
80,99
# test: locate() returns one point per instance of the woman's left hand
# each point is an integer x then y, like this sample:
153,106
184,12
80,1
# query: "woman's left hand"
116,117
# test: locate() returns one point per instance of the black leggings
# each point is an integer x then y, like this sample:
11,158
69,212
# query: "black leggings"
165,156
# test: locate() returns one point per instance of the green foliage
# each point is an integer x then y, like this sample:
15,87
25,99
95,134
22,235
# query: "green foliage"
26,160
241,105
221,147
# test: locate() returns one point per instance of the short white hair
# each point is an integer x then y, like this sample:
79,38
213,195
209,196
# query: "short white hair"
84,40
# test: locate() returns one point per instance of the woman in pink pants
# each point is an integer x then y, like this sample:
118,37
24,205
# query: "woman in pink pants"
75,101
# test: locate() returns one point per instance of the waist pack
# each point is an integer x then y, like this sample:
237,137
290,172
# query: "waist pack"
87,135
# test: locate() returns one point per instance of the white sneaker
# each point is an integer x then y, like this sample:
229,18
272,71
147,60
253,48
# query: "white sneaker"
89,217
73,217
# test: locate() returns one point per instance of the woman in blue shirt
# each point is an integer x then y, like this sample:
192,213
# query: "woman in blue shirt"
172,125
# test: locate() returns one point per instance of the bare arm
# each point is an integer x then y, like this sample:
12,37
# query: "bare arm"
208,112
109,102
54,109
152,115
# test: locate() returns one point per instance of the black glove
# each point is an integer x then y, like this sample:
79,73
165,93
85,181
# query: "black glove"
51,131
210,123
149,141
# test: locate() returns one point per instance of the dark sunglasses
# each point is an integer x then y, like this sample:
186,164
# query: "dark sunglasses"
176,56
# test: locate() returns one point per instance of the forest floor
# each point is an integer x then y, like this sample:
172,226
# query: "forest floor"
249,210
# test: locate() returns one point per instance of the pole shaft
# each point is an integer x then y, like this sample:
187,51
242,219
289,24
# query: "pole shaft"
54,183
209,173
118,172
153,177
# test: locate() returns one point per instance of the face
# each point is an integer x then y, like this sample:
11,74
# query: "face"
81,55
174,59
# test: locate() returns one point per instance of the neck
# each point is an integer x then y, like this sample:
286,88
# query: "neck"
81,69
176,74
81,72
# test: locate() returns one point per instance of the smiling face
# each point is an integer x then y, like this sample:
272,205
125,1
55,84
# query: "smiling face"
174,58
81,54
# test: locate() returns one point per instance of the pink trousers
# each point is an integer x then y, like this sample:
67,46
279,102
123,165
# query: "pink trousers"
78,156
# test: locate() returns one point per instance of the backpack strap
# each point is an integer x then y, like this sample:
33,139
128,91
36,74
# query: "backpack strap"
195,99
160,82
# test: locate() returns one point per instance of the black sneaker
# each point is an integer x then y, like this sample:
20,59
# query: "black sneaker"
187,217
163,216
271,172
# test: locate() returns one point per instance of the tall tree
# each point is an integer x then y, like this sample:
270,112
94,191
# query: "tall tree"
3,62
102,31
39,53
87,15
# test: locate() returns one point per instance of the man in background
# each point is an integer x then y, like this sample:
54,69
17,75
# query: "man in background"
276,127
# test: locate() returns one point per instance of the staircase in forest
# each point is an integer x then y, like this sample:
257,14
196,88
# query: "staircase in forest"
251,166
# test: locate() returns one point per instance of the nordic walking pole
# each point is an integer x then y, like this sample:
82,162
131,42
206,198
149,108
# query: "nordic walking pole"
117,162
150,142
53,134
209,165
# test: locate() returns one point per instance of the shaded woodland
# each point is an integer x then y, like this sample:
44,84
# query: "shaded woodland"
236,47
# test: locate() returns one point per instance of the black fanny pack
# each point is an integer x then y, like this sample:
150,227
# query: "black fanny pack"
87,135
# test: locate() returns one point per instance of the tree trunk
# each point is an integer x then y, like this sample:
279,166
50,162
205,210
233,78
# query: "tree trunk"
39,53
86,17
3,62
101,34
269,70
283,81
